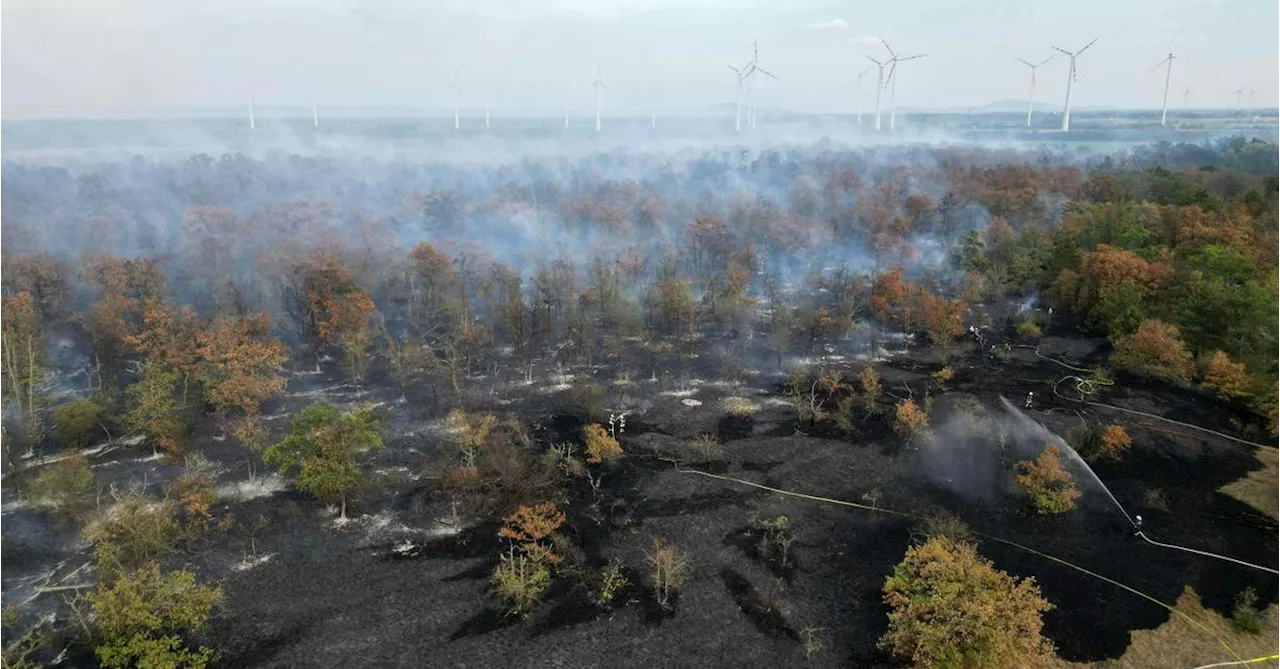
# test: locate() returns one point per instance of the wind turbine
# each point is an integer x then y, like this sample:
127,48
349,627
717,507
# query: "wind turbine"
457,98
1239,98
486,115
879,87
1168,74
1071,76
893,80
1031,94
253,125
315,116
1186,96
598,84
861,74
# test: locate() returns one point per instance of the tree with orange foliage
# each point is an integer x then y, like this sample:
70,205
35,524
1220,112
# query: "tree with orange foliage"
1226,378
46,278
1113,442
1050,485
911,422
240,364
1156,349
329,308
601,448
529,526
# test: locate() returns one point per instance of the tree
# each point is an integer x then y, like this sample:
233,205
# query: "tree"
911,422
137,531
523,575
66,486
1114,442
323,446
408,360
1226,378
46,279
74,422
22,352
143,618
1154,350
328,307
951,608
1050,485
156,410
240,364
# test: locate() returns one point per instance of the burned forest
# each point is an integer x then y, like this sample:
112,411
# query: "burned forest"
818,404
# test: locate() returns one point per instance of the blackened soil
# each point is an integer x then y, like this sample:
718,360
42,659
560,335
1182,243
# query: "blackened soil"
414,592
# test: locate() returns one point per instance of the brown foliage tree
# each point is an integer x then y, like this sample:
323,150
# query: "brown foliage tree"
1226,378
1156,349
911,422
240,363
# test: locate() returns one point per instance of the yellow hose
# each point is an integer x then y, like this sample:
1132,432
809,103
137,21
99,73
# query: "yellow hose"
903,514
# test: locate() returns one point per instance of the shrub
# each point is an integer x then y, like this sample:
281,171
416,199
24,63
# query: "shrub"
22,639
194,489
911,422
1245,617
707,446
524,574
530,529
942,376
1049,484
587,401
66,486
1156,349
520,582
609,583
75,422
601,447
143,617
1114,442
1228,379
814,641
135,532
739,407
1028,329
941,524
667,570
949,607
776,539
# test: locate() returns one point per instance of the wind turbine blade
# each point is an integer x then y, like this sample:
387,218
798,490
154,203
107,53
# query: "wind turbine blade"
890,49
903,60
739,72
1026,63
763,71
1044,61
875,61
1086,47
1157,65
1062,50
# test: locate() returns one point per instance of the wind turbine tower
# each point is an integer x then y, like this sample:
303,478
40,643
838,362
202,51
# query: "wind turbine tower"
1168,74
1071,76
737,103
1031,94
457,100
598,84
751,80
315,116
879,87
253,125
486,116
893,80
860,90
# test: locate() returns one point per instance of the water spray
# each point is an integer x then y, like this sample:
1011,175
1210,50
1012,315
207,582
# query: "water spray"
1137,524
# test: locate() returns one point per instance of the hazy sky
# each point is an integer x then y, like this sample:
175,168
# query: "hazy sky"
89,57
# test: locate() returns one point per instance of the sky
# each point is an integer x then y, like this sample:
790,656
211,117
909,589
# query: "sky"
86,58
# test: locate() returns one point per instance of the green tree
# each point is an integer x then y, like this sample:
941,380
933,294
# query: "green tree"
74,422
144,619
137,531
155,407
66,486
951,608
323,446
